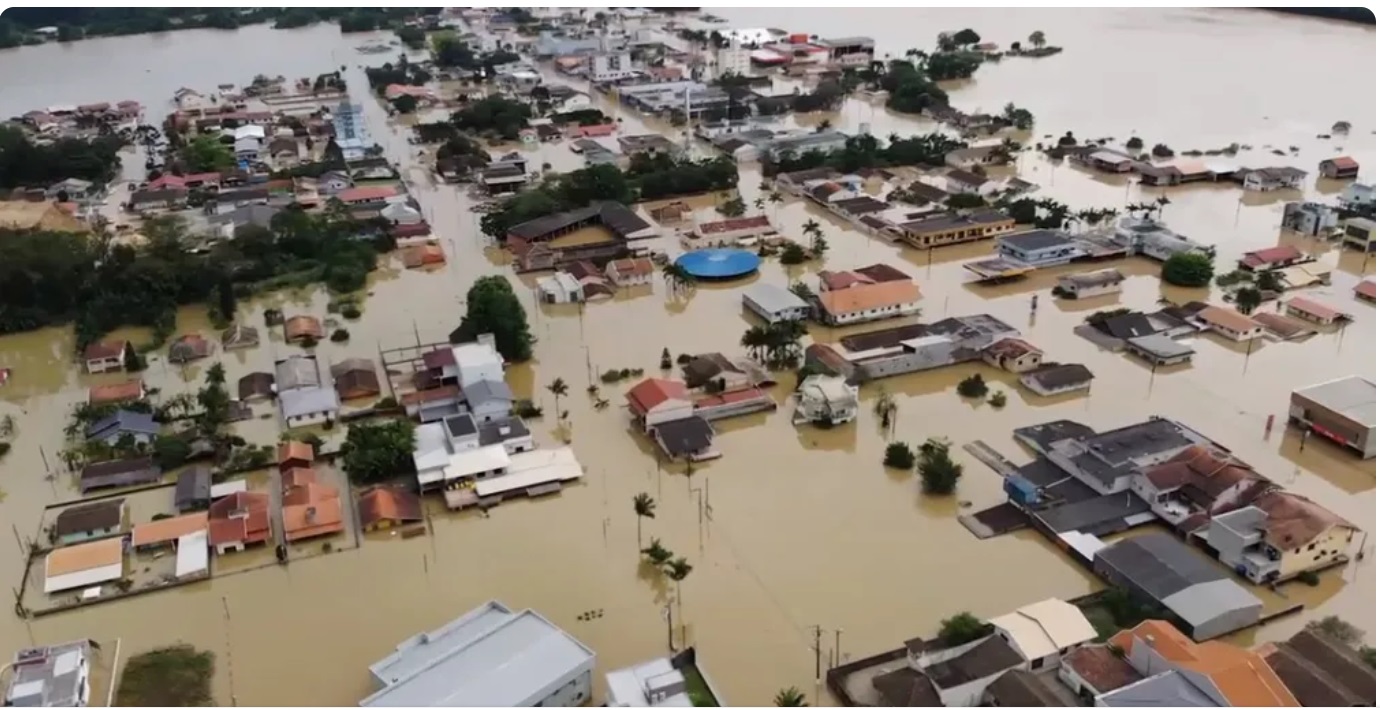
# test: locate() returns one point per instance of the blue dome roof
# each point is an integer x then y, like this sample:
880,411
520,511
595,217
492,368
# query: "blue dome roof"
719,263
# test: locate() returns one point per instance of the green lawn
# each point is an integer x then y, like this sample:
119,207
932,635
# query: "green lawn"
176,676
697,690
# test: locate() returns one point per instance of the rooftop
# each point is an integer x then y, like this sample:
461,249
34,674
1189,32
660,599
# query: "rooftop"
1036,240
1240,675
617,218
773,298
987,658
1046,627
865,297
49,676
92,516
1099,667
490,657
1321,672
1352,397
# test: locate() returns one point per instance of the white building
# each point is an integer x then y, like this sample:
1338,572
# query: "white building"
774,304
611,66
86,565
654,684
478,360
1045,632
1090,285
825,398
55,676
733,59
490,657
560,287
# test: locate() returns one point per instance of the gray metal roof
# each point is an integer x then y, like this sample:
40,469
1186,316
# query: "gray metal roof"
491,657
499,431
307,401
460,425
123,421
48,676
1206,601
481,391
1158,564
1160,345
772,298
296,372
1352,397
1166,690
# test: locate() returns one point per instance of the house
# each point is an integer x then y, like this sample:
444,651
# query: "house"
1357,197
1111,462
1197,482
295,454
355,378
136,471
255,386
92,521
188,348
333,182
127,391
654,401
508,174
1091,284
105,356
1044,632
227,201
384,507
488,400
298,329
1321,671
1267,179
963,182
727,232
774,304
1039,248
311,510
1159,349
909,348
868,302
54,676
238,521
193,490
89,564
825,141
138,426
716,372
636,271
690,438
650,144
76,190
308,406
962,679
1359,233
239,337
953,228
560,287
655,683
979,156
1312,311
512,433
1111,161
825,398
1343,168
1230,324
1054,379
1309,218
476,464
1158,568
250,215
169,199
167,532
671,213
1365,290
422,255
368,195
1217,673
1091,671
1013,355
1146,237
432,447
432,404
1279,536
1342,410
491,656
1272,258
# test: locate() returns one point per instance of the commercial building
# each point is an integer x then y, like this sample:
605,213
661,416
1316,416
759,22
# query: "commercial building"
1146,237
952,228
909,348
57,676
1342,410
654,684
1091,284
774,304
351,133
490,657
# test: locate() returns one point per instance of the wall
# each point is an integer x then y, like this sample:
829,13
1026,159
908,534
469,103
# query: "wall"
570,691
1075,682
671,411
934,355
1324,550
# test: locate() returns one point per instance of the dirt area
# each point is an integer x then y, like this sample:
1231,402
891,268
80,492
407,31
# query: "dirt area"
582,237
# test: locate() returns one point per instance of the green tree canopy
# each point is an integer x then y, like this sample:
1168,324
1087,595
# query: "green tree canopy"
1187,269
939,473
206,153
961,628
492,307
377,452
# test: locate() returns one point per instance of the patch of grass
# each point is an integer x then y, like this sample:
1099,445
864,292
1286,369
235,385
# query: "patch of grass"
174,676
697,689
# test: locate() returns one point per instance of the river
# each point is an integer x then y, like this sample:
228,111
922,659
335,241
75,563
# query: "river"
806,526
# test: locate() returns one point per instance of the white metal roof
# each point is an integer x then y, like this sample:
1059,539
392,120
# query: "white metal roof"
504,665
229,488
193,554
472,462
628,687
772,298
1044,628
533,468
1352,397
83,578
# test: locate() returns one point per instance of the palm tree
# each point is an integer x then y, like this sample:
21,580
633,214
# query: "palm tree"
656,553
645,507
678,277
1160,203
756,339
764,186
790,698
215,375
776,199
558,389
1037,38
678,569
759,203
817,244
824,125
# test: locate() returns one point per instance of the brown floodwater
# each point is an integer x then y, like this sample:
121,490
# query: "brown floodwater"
805,527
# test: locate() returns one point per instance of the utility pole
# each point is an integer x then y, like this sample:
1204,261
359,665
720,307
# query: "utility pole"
670,634
817,631
838,650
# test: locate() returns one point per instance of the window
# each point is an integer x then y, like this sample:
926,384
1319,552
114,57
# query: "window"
1312,545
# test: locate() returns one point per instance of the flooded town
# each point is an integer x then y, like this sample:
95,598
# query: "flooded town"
697,356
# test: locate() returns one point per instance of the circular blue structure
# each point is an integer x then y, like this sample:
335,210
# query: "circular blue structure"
717,264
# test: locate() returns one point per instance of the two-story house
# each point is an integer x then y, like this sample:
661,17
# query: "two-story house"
1280,536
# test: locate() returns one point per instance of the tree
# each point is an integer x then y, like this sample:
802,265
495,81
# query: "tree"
1037,38
677,570
793,254
645,507
492,307
377,452
206,153
677,277
802,291
1134,143
225,290
960,629
133,361
899,455
790,698
1021,118
1247,300
997,400
973,386
939,473
965,201
558,388
406,103
733,207
1334,627
816,234
214,401
1187,269
1161,150
1269,281
170,451
656,553
966,37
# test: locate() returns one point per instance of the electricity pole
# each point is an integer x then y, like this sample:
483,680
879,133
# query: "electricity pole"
817,631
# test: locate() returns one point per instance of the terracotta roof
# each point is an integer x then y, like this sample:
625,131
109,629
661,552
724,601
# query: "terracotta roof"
866,297
1011,347
320,517
189,347
302,326
1198,468
168,529
106,349
882,273
732,225
1242,676
366,194
1313,308
293,450
437,359
582,270
119,392
1366,288
634,267
237,502
298,476
652,392
423,255
308,491
1225,318
79,558
1343,162
389,503
239,517
1273,255
838,280
430,395
1101,668
1293,521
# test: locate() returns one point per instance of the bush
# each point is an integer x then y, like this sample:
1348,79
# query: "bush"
611,376
960,629
1162,151
307,342
939,473
387,403
899,455
1309,577
973,386
683,358
171,451
1135,143
1187,269
350,311
525,409
998,400
4,448
340,335
965,200
176,676
793,254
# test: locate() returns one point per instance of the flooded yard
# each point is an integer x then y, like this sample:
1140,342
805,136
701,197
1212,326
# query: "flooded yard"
793,527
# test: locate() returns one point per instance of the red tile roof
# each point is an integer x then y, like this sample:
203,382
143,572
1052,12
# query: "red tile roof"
106,349
1101,668
1344,162
838,280
289,451
432,395
1273,255
652,392
634,267
1313,308
389,503
732,225
366,194
120,392
1366,288
1011,347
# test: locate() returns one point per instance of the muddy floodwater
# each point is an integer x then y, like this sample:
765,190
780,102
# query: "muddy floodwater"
802,527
